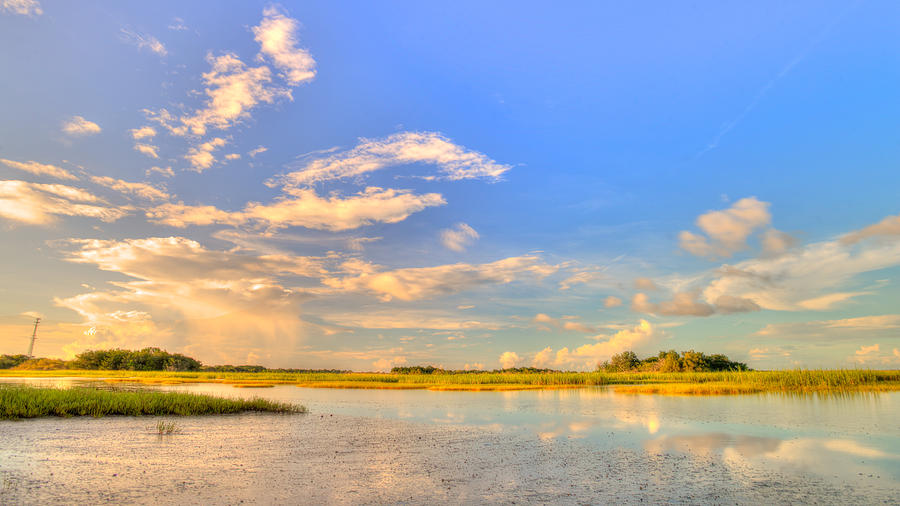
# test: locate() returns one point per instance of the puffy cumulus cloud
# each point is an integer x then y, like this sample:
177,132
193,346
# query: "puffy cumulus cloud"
873,355
233,156
22,7
459,237
304,208
508,359
40,204
687,304
142,190
726,231
39,169
424,282
455,162
866,350
144,132
589,355
201,157
233,89
277,38
183,295
612,301
812,277
147,149
144,41
888,228
78,126
386,364
645,284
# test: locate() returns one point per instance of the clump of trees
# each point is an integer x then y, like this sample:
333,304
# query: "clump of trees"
671,361
10,361
147,359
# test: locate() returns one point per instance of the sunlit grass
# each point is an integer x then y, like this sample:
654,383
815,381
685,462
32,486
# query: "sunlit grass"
167,427
30,402
675,382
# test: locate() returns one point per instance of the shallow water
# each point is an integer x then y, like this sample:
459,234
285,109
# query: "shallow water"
849,442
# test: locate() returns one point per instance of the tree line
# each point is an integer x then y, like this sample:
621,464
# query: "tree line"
671,361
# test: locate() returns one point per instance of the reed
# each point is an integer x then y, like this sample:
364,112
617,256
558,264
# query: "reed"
18,402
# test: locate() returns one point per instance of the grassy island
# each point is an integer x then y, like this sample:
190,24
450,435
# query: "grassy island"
17,402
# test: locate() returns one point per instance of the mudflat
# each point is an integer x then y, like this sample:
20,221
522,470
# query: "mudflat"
339,459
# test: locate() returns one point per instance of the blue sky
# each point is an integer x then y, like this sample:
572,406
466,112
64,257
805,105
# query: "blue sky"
466,185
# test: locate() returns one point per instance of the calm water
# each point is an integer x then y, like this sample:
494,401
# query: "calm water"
847,439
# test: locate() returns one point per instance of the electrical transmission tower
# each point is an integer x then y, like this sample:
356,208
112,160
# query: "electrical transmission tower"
33,338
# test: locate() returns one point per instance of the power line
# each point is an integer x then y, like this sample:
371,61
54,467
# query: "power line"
33,338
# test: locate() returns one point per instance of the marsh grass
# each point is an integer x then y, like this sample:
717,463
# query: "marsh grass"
691,382
18,402
167,427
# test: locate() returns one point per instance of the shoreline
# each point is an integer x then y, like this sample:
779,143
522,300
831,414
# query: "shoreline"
684,383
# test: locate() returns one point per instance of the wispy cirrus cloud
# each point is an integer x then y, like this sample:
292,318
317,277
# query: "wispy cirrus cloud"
418,283
144,41
141,190
41,204
304,208
39,169
454,162
459,237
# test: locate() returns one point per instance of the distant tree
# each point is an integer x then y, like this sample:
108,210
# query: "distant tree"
10,361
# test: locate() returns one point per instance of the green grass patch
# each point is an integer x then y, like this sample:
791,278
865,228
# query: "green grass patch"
18,402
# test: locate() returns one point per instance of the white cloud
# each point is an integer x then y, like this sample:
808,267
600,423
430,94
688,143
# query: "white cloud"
177,25
459,237
578,278
79,126
509,359
184,296
39,204
409,319
142,190
39,169
303,208
277,37
233,156
612,301
232,91
201,157
256,151
865,350
645,284
163,171
810,277
727,230
687,304
425,282
144,41
22,7
144,132
147,149
887,228
455,162
546,321
589,355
